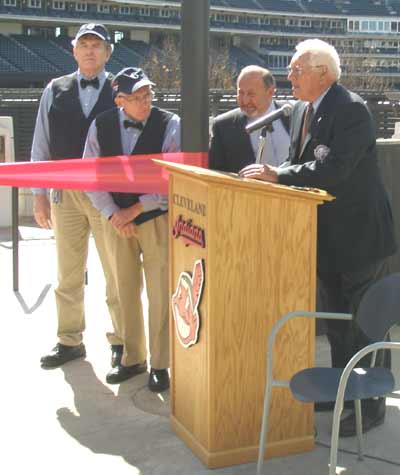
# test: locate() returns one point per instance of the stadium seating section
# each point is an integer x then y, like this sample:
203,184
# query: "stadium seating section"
53,56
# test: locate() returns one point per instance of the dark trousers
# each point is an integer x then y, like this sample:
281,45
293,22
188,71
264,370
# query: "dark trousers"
342,292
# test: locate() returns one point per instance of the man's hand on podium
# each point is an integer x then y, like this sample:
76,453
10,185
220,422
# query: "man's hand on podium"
259,172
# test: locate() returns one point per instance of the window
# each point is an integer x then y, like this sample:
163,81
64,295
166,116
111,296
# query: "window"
35,3
81,7
124,10
103,8
165,12
118,36
10,3
58,5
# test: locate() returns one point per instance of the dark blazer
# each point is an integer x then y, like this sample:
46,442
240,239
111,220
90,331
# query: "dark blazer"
230,147
339,156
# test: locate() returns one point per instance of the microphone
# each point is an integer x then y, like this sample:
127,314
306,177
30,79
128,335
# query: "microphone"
266,119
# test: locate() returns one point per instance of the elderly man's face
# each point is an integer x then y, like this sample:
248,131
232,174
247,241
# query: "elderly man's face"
307,83
91,53
253,97
136,105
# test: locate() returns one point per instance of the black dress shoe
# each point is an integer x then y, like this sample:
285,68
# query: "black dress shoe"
348,424
122,373
116,355
60,354
330,406
158,380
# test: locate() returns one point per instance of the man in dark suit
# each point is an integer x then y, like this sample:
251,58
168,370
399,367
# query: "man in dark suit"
232,148
333,147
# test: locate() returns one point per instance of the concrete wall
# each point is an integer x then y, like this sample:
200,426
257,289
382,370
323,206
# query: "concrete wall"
389,160
11,28
138,35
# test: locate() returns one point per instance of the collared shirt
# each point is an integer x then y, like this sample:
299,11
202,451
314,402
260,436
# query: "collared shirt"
276,145
318,101
41,138
103,200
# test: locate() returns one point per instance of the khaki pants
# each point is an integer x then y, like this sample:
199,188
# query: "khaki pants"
73,218
126,263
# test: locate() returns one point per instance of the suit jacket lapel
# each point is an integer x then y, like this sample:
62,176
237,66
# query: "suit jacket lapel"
297,125
241,121
324,106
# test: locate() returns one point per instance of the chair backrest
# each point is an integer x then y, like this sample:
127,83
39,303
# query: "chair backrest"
379,308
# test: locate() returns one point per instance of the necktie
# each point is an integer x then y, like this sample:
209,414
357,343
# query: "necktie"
90,82
133,124
306,124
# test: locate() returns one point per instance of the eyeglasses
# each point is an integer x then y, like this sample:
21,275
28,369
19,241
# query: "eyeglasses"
298,71
148,97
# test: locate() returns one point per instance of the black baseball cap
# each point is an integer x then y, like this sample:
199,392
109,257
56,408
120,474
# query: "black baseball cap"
129,80
96,29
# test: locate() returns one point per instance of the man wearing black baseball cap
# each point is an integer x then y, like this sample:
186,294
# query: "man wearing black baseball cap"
136,225
68,106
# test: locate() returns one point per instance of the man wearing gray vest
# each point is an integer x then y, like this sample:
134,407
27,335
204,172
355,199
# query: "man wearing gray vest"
136,225
68,106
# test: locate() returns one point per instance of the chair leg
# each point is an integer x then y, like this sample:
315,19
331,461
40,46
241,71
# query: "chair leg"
335,436
360,441
264,428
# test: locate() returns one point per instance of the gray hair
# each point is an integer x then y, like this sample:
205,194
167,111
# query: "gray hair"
265,73
321,53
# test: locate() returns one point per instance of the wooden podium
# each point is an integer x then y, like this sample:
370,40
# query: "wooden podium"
247,250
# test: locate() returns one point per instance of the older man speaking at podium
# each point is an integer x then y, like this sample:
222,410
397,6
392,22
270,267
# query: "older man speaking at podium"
333,147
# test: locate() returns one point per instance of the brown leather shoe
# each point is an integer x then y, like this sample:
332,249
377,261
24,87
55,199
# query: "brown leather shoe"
116,355
61,354
122,373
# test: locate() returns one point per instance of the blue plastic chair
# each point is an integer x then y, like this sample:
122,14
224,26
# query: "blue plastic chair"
378,312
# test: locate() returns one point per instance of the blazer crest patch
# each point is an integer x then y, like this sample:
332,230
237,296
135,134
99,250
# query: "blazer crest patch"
321,152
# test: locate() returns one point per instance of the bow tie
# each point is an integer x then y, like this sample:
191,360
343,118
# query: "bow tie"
133,124
90,82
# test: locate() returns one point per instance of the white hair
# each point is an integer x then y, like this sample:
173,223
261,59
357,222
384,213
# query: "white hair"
320,53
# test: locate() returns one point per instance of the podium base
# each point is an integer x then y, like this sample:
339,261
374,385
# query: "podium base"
241,455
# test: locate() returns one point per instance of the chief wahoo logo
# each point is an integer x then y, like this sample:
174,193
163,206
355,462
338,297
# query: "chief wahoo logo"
185,302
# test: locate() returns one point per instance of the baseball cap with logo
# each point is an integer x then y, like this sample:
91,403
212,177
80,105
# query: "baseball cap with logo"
96,29
129,80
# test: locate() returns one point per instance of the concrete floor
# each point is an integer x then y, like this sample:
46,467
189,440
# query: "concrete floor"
69,420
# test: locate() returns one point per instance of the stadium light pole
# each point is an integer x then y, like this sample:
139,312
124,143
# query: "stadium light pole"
194,86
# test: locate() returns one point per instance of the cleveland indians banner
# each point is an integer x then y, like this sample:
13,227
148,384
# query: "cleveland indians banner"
137,174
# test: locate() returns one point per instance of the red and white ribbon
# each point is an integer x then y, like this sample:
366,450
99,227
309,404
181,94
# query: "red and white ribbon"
133,174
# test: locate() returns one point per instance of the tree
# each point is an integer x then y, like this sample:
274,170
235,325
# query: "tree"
360,74
163,66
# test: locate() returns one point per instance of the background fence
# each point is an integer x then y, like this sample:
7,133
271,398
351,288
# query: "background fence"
22,105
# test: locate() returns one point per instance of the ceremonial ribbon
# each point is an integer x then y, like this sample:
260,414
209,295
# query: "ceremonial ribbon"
133,174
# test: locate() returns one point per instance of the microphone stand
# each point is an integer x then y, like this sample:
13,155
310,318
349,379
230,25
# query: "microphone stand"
261,143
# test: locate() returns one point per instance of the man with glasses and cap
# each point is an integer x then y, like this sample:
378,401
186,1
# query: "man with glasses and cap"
136,225
67,107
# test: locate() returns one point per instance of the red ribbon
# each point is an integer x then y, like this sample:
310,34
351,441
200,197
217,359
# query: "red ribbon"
137,173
